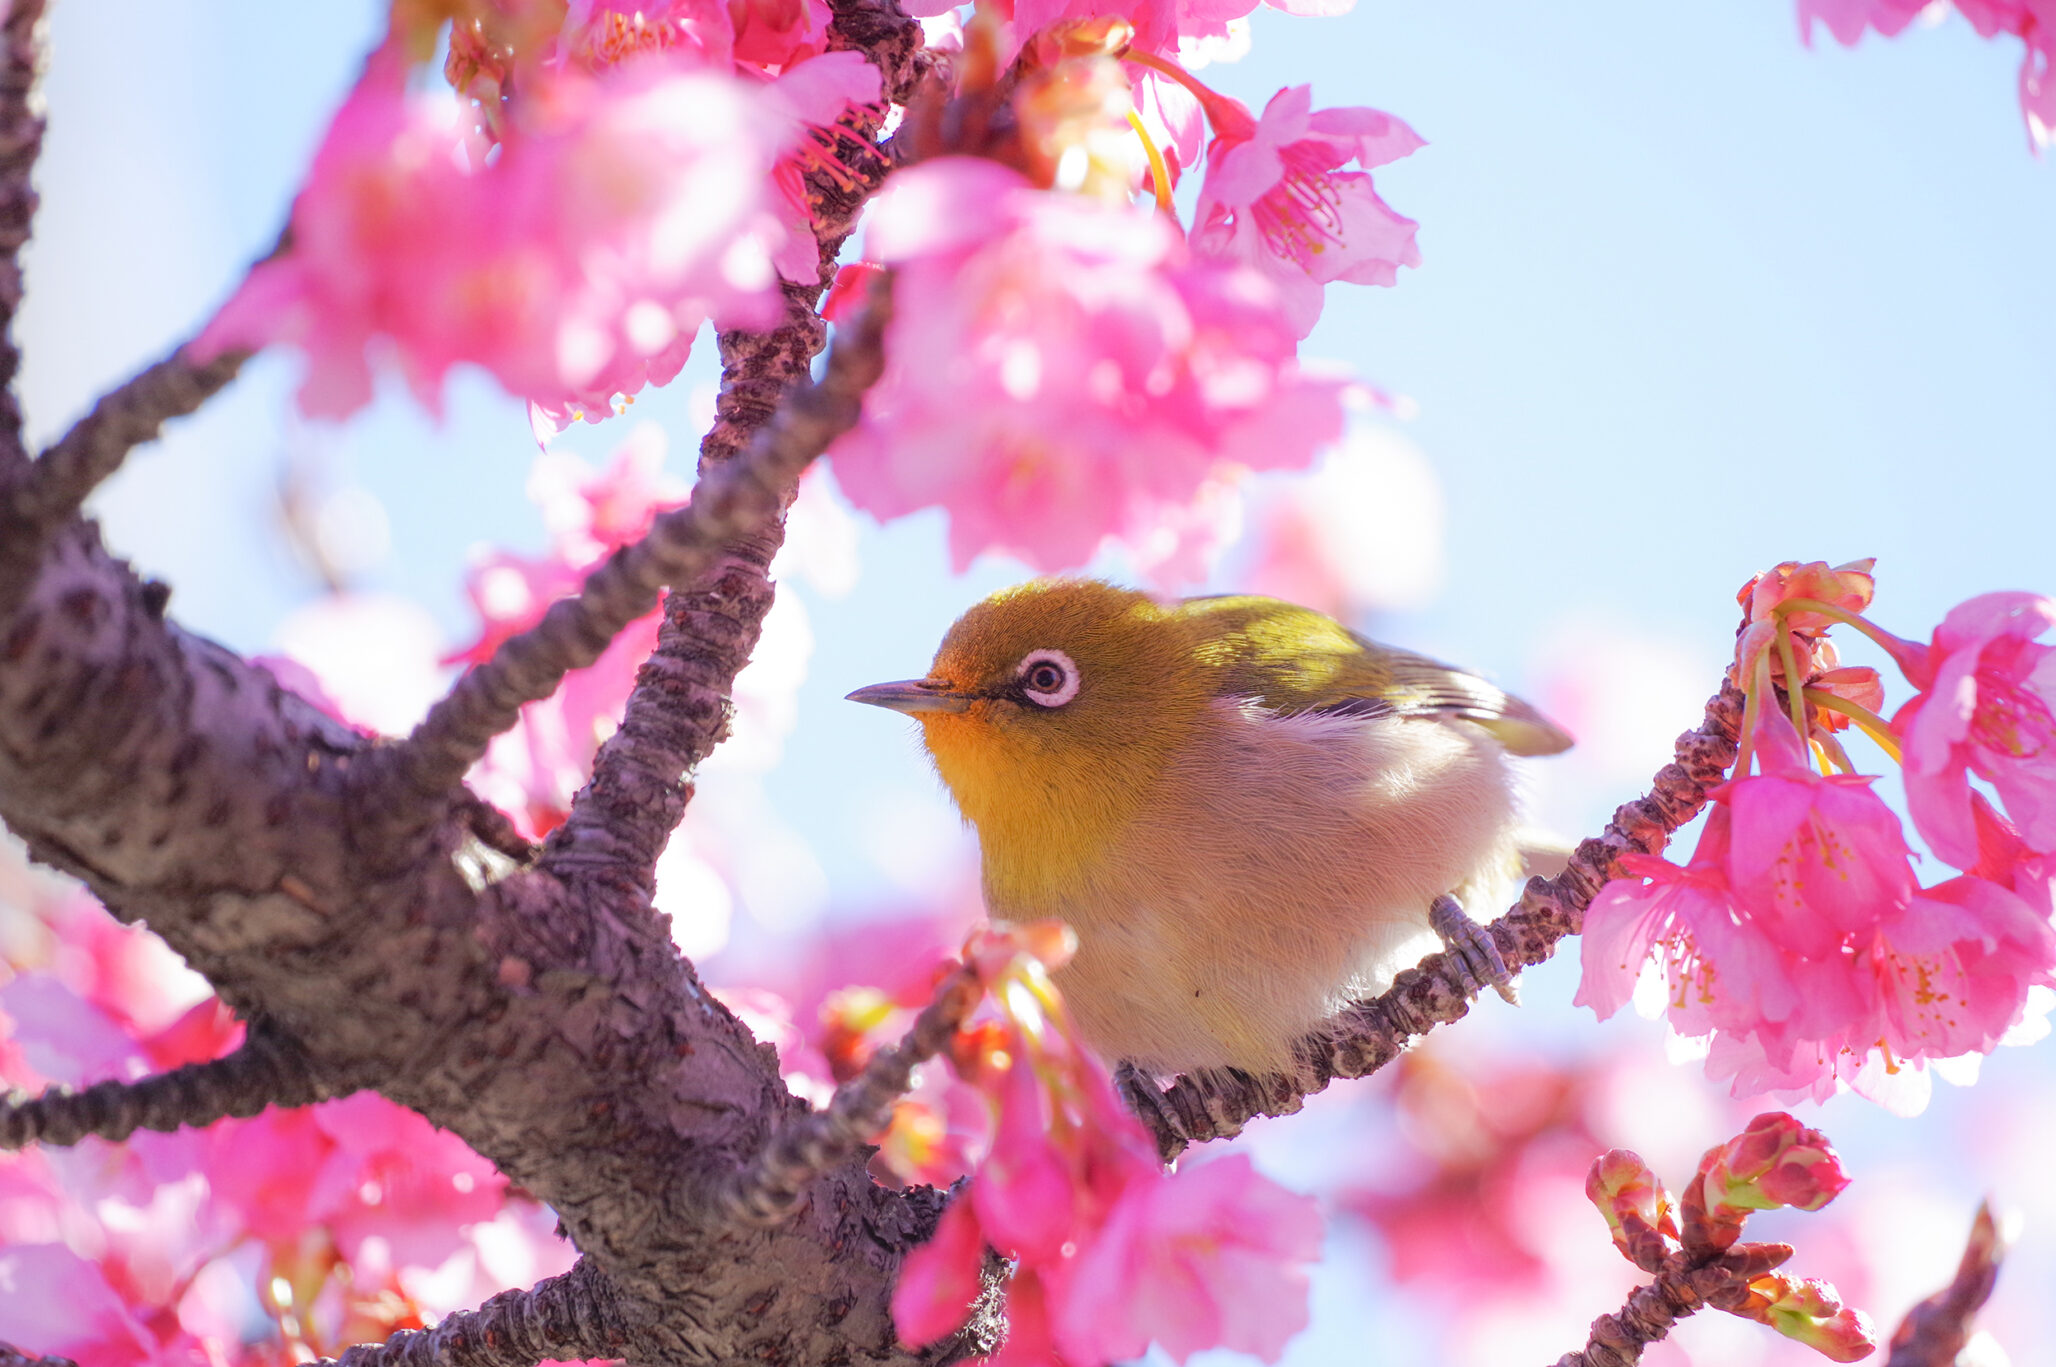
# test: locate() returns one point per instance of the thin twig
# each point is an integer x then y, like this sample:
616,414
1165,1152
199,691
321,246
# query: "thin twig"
730,501
1365,1036
1936,1330
768,1189
22,50
124,418
267,1070
1689,1282
567,1317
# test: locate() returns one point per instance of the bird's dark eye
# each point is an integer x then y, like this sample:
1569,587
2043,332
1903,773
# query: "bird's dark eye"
1048,678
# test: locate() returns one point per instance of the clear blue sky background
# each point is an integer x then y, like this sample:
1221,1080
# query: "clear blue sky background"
1696,299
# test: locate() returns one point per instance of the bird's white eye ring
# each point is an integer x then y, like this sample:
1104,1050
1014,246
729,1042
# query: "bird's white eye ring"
1048,677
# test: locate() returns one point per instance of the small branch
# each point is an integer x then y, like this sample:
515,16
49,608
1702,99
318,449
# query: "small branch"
1936,1330
768,1190
11,1356
22,51
731,501
1367,1035
573,1316
1689,1282
47,493
266,1071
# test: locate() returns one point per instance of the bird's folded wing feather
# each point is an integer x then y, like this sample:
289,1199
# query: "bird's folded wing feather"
1294,660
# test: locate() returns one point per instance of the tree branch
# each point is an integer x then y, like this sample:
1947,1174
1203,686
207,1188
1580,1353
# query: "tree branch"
1689,1281
267,1070
22,47
731,501
574,1316
1936,1330
56,486
768,1189
1365,1036
680,707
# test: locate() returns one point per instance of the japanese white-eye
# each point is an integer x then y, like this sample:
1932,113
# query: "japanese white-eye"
1245,810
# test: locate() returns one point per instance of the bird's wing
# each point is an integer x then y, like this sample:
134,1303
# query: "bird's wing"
1295,660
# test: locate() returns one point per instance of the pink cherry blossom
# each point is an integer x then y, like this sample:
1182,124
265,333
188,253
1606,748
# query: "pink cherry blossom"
1274,199
1062,372
1798,941
1813,859
1985,708
621,212
598,34
1213,1257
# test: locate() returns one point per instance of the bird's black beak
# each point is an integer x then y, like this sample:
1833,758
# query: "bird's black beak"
913,696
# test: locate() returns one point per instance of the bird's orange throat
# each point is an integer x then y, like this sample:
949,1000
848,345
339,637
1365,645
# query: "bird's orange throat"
1046,812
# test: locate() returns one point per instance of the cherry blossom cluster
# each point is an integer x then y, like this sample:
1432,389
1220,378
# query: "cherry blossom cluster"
1775,1163
2031,21
250,1243
1798,939
1109,1254
1071,365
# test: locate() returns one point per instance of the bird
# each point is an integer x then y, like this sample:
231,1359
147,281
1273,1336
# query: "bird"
1248,814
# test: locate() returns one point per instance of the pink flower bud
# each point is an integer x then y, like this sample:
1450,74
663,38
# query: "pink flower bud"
1775,1162
1636,1207
1809,1311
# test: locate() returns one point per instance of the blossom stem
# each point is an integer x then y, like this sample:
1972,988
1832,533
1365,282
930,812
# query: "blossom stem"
1752,709
1897,647
1874,726
1159,169
1227,116
1794,688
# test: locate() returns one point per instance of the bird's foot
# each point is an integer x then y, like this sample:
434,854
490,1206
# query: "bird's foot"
1477,957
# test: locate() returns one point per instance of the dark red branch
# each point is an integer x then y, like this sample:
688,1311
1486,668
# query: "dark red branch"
574,1316
1366,1036
732,501
1936,1330
266,1071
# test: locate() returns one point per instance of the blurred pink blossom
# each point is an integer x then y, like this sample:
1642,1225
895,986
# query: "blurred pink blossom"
1213,1257
1111,1255
2032,21
1062,372
1987,688
621,212
1274,199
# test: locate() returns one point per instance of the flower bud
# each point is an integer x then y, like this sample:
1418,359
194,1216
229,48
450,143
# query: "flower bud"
1775,1162
1636,1207
1809,1311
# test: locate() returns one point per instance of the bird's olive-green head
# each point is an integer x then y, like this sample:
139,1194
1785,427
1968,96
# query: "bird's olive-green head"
1051,707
